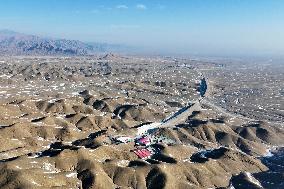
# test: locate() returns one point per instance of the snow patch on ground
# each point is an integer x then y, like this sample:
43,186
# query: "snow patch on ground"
123,163
268,153
253,180
35,183
73,175
49,168
145,128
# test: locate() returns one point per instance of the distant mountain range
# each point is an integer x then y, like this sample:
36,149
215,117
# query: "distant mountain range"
14,43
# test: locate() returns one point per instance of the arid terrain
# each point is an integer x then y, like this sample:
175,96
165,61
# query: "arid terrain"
116,121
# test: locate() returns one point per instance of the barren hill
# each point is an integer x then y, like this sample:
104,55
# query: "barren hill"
127,123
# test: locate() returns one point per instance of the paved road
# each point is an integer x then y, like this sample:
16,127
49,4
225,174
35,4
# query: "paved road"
215,107
223,111
177,118
182,115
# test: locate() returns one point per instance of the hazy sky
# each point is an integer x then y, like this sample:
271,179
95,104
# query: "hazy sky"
221,27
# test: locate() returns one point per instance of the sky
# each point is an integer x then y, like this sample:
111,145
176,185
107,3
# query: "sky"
212,27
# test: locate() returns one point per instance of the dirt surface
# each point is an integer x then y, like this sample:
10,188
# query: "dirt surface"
129,122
